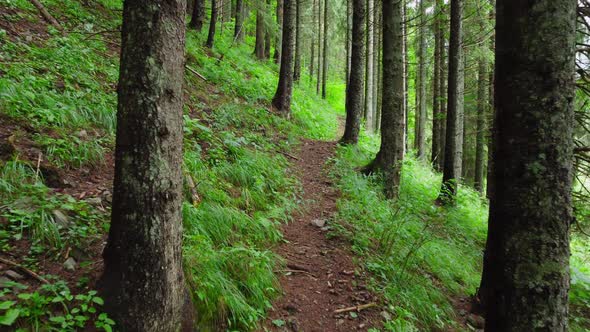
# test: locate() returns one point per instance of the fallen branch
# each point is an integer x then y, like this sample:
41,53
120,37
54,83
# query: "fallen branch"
196,73
288,155
50,19
24,269
356,308
304,272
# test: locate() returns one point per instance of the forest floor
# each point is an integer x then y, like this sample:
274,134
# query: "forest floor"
321,277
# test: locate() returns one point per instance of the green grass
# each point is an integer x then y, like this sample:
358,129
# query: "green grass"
423,256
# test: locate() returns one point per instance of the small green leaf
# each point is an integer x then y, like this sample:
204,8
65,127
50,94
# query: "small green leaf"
9,317
278,322
6,305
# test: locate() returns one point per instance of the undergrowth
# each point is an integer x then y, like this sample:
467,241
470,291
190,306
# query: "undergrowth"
424,259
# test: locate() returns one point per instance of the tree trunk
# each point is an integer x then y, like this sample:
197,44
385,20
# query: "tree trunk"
390,157
436,98
354,90
527,251
312,57
369,111
259,44
279,42
325,54
267,33
443,94
212,23
297,69
239,27
282,98
406,75
454,129
377,69
348,38
143,281
198,15
319,78
420,139
481,124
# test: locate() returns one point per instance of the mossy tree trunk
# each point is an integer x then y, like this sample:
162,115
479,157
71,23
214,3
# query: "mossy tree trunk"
325,54
267,34
420,137
282,98
198,15
369,111
319,77
454,127
143,281
390,157
239,27
212,24
482,103
436,97
354,89
259,44
279,41
526,263
298,29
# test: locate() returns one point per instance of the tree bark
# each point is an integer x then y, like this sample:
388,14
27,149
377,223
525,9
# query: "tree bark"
282,98
482,103
390,157
454,128
212,23
259,44
442,93
354,90
377,67
527,251
313,42
297,69
325,54
420,138
319,78
267,33
198,15
279,42
406,75
239,27
348,37
143,281
369,111
436,98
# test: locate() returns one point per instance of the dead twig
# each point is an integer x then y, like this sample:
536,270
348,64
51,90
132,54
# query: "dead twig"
356,308
24,269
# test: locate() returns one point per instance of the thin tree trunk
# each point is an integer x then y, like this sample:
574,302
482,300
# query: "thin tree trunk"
259,44
143,281
454,129
420,138
354,90
282,98
325,54
369,111
348,37
406,75
482,102
239,27
198,15
312,58
212,23
375,77
527,251
436,98
442,94
297,69
319,78
391,154
267,33
279,43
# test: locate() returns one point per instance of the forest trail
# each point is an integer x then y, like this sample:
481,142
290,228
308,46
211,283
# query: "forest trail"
320,275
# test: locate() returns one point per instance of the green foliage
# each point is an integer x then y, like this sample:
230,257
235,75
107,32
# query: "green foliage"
52,307
29,208
419,253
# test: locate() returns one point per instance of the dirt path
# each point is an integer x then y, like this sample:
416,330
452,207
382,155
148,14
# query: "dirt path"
320,276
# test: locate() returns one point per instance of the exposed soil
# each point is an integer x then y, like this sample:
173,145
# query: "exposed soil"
320,275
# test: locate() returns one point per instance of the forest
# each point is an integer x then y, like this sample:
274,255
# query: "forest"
294,165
